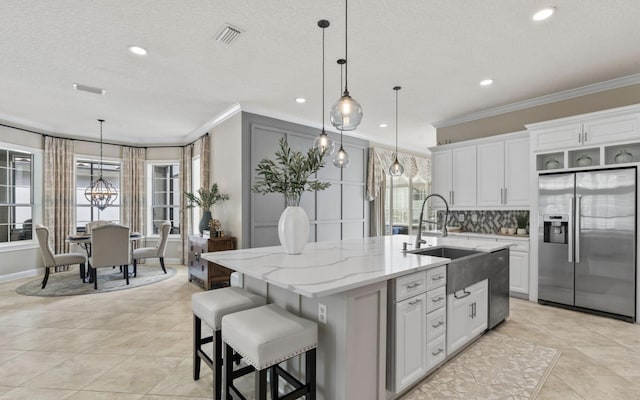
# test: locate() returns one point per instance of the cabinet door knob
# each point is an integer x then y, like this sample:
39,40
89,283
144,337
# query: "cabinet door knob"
411,303
437,299
437,352
439,324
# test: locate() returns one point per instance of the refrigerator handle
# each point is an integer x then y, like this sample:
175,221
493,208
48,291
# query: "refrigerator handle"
570,227
578,227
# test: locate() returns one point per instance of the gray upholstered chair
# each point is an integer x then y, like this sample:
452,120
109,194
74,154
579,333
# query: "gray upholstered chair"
55,260
93,224
110,246
153,252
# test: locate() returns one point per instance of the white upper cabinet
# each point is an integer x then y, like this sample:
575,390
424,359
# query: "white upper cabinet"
489,172
602,127
516,172
463,191
441,180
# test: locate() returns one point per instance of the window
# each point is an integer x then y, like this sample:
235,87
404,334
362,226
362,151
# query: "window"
165,201
403,200
16,195
87,172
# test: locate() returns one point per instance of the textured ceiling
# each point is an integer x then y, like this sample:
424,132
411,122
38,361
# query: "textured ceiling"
437,51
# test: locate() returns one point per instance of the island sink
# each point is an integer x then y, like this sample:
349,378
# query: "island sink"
445,252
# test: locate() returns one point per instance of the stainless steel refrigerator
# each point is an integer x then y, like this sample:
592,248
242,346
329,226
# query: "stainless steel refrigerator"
587,241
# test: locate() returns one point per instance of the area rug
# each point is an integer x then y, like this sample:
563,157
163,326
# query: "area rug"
70,284
495,367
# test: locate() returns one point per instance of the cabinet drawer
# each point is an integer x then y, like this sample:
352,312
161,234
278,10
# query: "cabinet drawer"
436,352
518,245
436,299
411,285
436,277
436,323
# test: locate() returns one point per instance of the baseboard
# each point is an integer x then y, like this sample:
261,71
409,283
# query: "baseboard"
22,274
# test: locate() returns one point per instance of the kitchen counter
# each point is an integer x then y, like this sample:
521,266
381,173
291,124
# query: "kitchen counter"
326,268
343,286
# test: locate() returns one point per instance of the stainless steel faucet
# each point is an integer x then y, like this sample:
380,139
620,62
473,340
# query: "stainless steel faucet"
419,239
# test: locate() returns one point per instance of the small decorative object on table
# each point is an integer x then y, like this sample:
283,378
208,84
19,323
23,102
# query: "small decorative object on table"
289,175
623,157
552,164
584,160
205,198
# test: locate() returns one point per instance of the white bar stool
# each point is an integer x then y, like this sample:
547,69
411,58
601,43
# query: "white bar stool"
210,307
264,337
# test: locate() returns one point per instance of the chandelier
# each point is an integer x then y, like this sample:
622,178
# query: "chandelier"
101,193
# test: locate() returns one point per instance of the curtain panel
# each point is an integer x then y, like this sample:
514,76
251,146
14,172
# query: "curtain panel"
132,188
205,153
59,191
186,158
381,159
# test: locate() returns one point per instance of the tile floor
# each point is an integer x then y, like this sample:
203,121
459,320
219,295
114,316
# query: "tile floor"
136,344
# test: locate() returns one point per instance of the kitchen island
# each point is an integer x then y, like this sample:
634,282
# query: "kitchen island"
344,286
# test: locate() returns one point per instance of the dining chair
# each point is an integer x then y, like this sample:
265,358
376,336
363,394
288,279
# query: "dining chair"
93,224
55,260
153,252
110,246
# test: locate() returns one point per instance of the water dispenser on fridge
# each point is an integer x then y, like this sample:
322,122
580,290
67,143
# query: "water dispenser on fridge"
556,229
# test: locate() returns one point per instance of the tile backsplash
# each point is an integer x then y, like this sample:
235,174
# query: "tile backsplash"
483,221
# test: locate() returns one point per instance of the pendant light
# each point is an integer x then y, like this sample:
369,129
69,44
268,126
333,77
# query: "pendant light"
396,169
346,113
341,158
101,193
323,142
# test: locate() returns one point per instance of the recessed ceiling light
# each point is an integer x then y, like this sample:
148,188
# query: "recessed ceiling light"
301,100
383,125
486,82
544,13
141,51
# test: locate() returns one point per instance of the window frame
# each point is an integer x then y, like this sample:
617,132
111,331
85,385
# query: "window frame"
95,159
150,164
36,196
412,184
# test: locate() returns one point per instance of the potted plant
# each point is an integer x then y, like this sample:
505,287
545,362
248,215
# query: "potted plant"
205,199
290,174
523,222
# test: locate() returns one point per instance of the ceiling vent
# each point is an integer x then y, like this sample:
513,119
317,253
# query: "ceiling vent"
90,89
228,34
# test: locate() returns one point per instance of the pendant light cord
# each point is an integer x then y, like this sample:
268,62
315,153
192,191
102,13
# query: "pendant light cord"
396,124
322,111
341,68
101,122
346,47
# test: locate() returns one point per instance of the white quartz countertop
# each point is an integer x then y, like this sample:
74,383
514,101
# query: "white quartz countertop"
326,268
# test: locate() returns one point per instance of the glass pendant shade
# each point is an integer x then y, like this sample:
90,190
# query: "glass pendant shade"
346,113
324,144
396,169
101,193
341,158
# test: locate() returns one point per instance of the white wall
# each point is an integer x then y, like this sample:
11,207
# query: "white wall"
225,168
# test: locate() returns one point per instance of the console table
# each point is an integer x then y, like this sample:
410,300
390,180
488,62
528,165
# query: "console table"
209,275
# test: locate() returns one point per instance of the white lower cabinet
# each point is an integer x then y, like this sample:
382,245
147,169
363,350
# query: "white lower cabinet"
519,272
411,343
419,326
467,315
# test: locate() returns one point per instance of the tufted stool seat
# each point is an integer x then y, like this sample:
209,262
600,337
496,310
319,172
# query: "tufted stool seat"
264,337
211,306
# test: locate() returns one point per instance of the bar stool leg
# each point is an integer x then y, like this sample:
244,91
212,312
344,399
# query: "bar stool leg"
261,384
228,371
197,333
218,362
310,373
273,376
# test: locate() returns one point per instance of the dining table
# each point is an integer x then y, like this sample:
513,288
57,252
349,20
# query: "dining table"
84,241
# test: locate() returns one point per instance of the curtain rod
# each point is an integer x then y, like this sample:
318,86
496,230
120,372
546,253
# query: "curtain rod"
96,141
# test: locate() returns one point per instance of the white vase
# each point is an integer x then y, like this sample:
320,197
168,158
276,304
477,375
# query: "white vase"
293,229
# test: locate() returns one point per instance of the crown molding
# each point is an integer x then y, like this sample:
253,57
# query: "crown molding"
213,122
538,101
